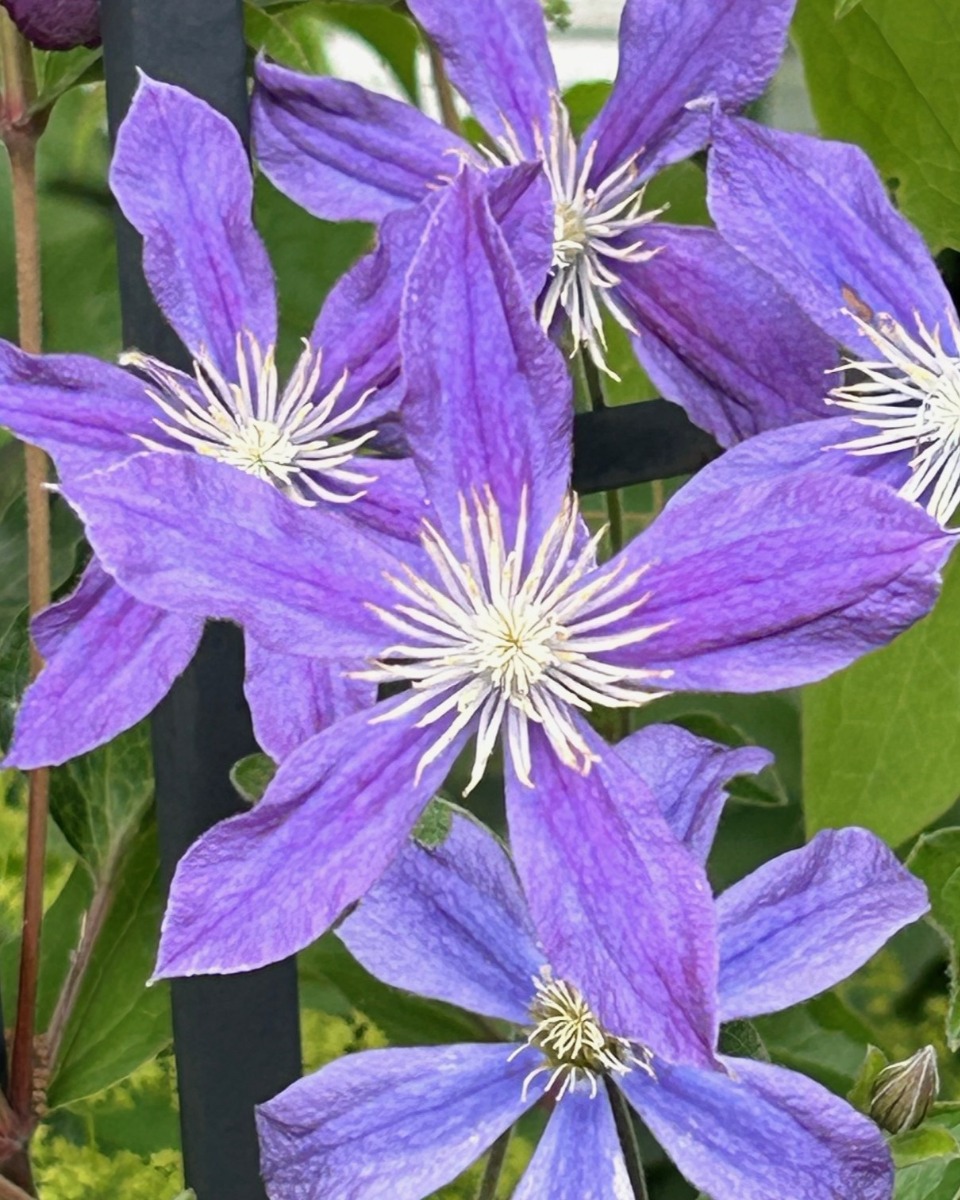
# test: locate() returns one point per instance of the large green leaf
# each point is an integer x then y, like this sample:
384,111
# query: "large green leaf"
292,35
391,35
885,76
59,70
118,1023
99,800
936,860
881,740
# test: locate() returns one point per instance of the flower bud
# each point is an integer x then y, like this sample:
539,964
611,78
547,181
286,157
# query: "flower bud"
903,1093
56,24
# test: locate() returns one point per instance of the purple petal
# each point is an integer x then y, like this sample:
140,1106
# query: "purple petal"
816,216
449,921
263,885
522,205
808,919
396,503
687,776
292,698
399,1123
624,912
489,397
182,177
579,1155
814,446
200,537
720,338
109,661
497,55
86,414
674,53
344,153
57,24
776,585
761,1132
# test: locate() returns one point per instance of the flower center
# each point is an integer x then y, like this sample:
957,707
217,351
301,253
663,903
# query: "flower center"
573,1042
910,395
595,227
514,636
290,440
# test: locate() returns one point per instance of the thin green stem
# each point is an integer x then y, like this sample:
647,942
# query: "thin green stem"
445,94
628,1141
494,1168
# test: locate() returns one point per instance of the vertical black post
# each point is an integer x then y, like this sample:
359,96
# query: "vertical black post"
237,1037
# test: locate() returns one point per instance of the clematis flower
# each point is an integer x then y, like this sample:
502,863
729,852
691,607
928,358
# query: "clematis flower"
506,630
706,323
56,24
450,921
182,177
817,216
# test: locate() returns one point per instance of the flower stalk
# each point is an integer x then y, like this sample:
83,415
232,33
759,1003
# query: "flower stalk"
21,128
628,1142
494,1167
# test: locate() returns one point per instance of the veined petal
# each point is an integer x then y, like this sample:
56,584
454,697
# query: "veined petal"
392,1122
761,1131
687,776
489,398
814,446
775,585
674,53
816,215
85,413
497,55
808,919
182,177
578,1156
262,885
719,337
623,910
109,661
199,537
292,698
344,153
449,921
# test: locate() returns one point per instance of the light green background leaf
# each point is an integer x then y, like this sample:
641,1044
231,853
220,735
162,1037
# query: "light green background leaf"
936,860
885,77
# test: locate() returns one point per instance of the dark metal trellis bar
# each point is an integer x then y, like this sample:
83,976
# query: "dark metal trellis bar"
236,1038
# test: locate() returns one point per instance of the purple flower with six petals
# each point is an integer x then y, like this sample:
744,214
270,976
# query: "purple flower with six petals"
449,921
508,626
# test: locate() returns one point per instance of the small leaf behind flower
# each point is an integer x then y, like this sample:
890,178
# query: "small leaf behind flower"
917,1145
251,776
936,860
873,1064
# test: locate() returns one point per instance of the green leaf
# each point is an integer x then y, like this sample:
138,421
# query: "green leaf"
434,825
118,1023
917,1145
741,1039
885,77
873,1063
881,740
292,36
842,7
392,35
251,776
98,800
59,70
936,860
584,101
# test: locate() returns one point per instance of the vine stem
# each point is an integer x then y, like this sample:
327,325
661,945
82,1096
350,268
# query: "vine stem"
21,131
441,81
628,1141
494,1168
10,1191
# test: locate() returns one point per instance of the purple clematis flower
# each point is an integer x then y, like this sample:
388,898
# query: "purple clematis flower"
450,921
182,177
817,216
706,322
56,24
508,628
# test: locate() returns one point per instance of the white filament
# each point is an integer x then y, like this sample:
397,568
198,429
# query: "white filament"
514,635
286,439
590,228
574,1043
911,396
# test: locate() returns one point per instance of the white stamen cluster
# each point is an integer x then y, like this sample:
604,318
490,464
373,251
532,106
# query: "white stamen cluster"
286,439
513,635
591,228
910,395
574,1043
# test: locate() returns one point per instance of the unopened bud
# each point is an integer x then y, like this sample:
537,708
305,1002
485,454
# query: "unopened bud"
903,1093
56,24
